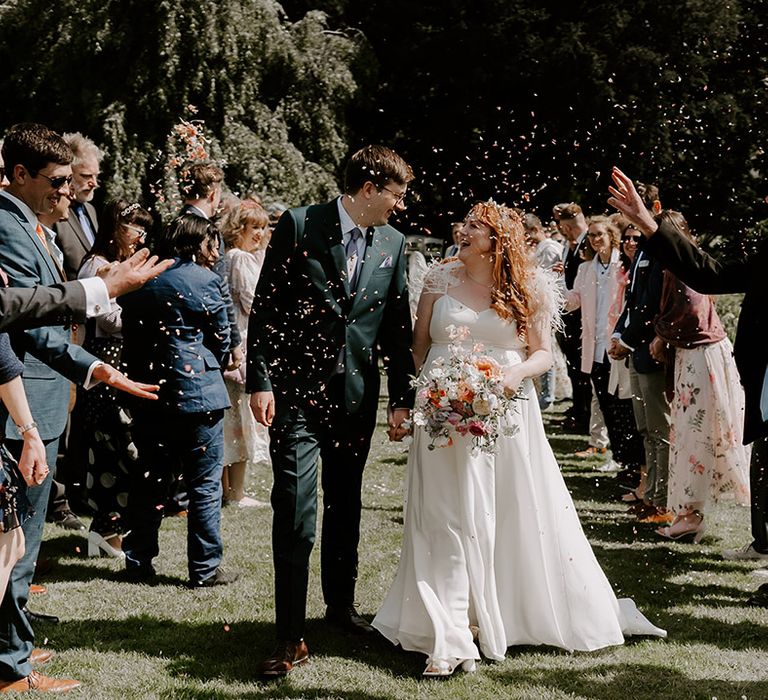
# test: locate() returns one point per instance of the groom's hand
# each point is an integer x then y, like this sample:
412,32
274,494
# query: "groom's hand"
395,418
263,407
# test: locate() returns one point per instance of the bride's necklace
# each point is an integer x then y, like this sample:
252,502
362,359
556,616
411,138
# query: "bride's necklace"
482,284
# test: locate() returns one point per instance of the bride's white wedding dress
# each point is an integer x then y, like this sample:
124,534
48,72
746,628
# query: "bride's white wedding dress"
494,541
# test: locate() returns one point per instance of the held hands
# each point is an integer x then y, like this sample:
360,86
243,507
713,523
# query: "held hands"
617,351
33,464
115,378
263,407
399,423
133,273
625,198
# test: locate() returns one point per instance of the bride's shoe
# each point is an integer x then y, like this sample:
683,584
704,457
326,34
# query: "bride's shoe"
683,528
442,668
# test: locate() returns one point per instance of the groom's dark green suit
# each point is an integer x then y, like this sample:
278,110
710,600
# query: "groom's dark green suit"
315,343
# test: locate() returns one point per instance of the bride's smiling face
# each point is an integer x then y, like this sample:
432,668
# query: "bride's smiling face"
474,239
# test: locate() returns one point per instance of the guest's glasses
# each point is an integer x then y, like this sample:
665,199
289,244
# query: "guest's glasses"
57,182
140,231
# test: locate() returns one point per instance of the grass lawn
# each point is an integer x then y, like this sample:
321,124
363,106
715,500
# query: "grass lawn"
128,641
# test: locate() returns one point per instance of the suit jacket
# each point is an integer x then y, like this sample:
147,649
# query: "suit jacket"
50,359
176,334
642,304
584,296
303,314
222,270
57,305
72,240
572,260
706,275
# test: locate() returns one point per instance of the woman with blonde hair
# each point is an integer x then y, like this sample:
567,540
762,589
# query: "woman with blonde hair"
492,545
245,230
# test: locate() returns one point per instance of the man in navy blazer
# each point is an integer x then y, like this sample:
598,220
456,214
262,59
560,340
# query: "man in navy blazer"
37,162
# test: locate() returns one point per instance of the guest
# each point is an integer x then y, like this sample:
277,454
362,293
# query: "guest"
75,234
706,457
38,161
105,443
573,225
708,276
246,234
598,291
176,333
453,249
632,338
547,254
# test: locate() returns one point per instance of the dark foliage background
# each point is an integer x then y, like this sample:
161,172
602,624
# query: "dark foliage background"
528,102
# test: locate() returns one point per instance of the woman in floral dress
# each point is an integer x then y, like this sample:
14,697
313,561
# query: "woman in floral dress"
706,457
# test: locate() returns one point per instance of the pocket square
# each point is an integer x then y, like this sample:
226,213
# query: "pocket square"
387,262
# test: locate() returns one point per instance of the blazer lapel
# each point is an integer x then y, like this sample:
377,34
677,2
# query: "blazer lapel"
77,227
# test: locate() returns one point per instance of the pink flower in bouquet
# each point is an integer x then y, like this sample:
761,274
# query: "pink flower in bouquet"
476,428
454,418
466,394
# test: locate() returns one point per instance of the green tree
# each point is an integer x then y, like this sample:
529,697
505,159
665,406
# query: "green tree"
272,93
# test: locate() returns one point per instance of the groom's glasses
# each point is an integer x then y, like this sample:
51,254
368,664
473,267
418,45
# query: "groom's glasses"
399,197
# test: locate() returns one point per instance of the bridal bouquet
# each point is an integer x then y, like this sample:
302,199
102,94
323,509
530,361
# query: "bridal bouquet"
464,393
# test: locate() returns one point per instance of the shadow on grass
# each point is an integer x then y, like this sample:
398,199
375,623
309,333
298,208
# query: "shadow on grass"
231,652
639,681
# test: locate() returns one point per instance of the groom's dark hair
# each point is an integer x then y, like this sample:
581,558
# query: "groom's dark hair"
376,164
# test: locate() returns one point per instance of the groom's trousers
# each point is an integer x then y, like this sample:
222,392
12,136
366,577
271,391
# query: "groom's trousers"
298,436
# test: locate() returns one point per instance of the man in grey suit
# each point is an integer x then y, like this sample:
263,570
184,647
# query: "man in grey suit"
75,235
37,163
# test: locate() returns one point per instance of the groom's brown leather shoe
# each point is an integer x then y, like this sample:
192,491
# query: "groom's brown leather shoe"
284,658
37,681
347,618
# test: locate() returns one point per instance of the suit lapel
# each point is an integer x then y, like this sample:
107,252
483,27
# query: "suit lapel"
53,268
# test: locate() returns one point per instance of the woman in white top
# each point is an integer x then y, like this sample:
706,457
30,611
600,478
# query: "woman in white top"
245,230
599,291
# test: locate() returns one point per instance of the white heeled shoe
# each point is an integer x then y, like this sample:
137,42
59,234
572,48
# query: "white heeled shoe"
98,546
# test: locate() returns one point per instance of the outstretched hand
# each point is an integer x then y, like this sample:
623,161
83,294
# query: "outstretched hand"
626,199
115,378
133,273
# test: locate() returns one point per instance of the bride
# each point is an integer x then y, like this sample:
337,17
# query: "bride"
492,548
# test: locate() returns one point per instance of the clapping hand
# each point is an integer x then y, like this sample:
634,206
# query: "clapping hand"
133,273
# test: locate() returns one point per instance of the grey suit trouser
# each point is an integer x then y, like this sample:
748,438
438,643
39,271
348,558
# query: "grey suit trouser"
16,635
652,417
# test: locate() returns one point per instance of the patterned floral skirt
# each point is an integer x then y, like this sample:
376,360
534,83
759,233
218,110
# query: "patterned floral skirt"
104,443
706,457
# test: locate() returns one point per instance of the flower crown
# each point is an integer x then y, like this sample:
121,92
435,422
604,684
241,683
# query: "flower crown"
129,209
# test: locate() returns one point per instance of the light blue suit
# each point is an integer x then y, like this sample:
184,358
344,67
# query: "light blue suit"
51,361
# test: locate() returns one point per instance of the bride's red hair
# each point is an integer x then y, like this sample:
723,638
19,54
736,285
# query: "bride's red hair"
512,264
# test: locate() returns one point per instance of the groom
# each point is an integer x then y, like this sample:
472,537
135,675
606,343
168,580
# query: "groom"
331,293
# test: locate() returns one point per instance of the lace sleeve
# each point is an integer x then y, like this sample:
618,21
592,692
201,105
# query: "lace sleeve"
546,300
441,276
